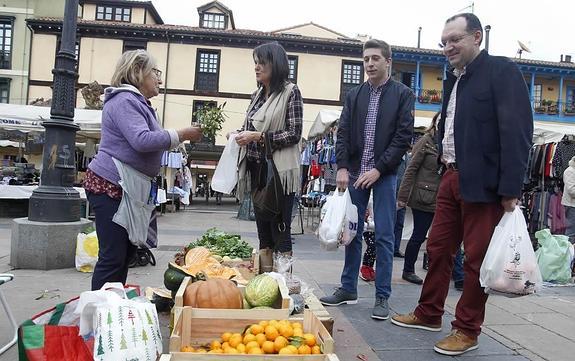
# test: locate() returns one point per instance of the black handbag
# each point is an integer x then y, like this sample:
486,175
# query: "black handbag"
268,196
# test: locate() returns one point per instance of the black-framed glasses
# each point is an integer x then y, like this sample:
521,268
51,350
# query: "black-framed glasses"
157,72
454,40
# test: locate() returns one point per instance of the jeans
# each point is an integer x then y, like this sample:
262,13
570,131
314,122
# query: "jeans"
398,228
115,248
457,274
421,223
384,206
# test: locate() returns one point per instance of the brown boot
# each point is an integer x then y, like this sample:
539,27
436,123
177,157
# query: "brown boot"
266,260
456,343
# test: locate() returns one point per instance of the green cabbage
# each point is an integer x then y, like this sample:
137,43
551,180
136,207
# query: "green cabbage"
262,290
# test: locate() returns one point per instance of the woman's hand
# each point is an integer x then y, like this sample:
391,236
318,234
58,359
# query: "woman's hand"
192,134
246,137
230,133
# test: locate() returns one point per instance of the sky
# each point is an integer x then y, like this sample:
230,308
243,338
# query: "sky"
541,25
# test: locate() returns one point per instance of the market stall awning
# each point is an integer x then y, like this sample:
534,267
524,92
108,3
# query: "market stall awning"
323,121
29,118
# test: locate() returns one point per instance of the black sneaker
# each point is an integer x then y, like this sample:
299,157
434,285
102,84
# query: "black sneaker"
339,297
425,262
398,254
411,277
380,309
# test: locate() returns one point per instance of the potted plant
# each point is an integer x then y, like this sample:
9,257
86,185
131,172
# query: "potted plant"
570,110
551,108
434,96
424,98
541,108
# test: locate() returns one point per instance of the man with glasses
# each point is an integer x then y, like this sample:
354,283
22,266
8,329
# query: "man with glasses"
485,134
375,129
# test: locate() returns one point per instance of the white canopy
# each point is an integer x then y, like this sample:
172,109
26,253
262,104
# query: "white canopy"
29,118
323,121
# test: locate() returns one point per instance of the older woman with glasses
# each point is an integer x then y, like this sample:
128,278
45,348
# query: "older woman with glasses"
129,155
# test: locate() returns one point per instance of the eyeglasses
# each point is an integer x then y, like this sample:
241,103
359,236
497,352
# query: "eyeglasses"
453,40
157,72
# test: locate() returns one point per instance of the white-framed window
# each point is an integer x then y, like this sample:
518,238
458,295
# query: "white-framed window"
214,21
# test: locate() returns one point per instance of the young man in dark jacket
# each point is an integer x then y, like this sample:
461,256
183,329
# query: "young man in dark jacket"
485,134
375,130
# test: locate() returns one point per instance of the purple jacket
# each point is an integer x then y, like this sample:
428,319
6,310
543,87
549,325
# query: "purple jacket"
130,133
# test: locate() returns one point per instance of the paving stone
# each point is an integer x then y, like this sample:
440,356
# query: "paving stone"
497,316
534,338
516,305
555,322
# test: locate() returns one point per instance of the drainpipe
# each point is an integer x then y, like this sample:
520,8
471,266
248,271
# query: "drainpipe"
166,79
487,29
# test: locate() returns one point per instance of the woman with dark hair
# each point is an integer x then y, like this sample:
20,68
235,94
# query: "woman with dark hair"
418,190
274,116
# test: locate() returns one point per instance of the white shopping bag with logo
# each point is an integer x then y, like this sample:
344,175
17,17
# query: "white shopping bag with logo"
339,224
510,266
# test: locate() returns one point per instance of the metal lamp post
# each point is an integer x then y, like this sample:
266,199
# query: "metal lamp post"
56,200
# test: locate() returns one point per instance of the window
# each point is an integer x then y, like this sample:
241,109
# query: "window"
408,79
570,100
5,90
134,44
214,21
351,76
537,91
292,62
110,13
207,69
6,43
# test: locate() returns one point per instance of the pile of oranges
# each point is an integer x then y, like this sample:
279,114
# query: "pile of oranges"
266,337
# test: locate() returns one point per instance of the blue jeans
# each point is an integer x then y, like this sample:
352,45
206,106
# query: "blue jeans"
384,205
398,229
421,223
457,273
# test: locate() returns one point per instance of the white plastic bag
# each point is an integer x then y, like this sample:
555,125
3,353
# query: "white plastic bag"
226,174
86,251
339,224
123,329
510,266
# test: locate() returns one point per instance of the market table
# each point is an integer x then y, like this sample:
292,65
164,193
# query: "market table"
14,200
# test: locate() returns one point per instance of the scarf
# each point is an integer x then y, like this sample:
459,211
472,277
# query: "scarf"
270,118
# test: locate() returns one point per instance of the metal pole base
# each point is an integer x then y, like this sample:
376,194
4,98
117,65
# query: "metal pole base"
55,204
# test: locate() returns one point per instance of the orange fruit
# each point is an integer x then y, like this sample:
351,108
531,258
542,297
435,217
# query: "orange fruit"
296,325
286,331
235,340
261,338
264,323
274,323
216,351
309,339
225,345
251,345
231,350
187,349
286,351
271,333
248,338
255,351
298,332
226,336
241,348
292,348
268,347
315,350
215,345
280,342
202,350
304,350
256,329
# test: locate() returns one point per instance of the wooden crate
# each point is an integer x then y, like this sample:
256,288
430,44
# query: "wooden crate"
313,304
195,327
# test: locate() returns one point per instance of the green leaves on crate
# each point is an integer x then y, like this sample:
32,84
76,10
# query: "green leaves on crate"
223,244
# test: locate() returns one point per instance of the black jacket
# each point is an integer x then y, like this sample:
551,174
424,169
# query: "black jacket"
394,127
493,128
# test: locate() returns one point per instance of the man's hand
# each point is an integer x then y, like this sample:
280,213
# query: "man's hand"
230,133
342,179
509,204
246,137
367,179
401,204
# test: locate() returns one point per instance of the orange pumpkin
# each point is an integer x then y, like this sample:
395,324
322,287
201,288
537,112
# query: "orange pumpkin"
213,293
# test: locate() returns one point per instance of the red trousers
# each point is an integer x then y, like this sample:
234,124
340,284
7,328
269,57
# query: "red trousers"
454,221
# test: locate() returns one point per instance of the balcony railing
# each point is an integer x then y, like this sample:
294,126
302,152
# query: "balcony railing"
551,107
432,96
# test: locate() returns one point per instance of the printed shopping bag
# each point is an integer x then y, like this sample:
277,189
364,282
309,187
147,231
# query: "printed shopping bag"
86,251
510,266
339,224
122,328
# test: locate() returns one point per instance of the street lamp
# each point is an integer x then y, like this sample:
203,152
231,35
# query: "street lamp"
56,200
